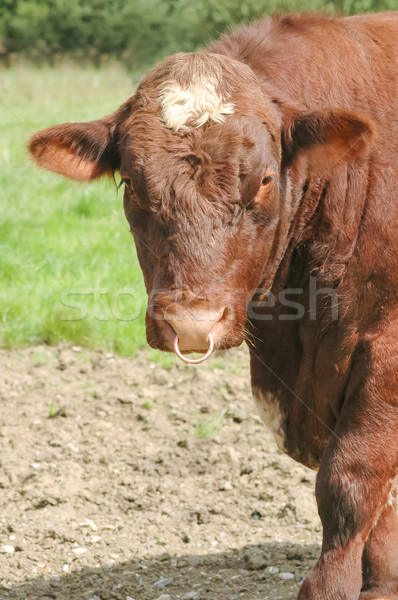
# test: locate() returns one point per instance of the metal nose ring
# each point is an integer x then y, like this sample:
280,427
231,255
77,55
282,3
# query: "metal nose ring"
194,361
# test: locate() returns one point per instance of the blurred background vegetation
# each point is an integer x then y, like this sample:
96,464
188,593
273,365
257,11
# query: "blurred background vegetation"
137,32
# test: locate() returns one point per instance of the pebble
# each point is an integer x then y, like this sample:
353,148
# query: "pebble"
190,596
163,557
89,523
164,597
125,400
255,561
163,581
129,598
286,575
79,550
272,570
95,538
225,486
4,549
160,378
256,515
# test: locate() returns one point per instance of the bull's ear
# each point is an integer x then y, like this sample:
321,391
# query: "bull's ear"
325,138
81,151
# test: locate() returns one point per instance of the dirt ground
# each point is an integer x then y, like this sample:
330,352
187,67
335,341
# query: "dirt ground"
122,480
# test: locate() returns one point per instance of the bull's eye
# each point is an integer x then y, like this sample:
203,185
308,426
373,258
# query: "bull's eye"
267,179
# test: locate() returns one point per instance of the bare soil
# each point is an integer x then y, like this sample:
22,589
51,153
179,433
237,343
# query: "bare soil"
123,480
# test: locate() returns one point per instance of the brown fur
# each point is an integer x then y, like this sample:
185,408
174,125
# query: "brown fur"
316,119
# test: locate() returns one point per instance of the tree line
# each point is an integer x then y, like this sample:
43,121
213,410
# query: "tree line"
138,32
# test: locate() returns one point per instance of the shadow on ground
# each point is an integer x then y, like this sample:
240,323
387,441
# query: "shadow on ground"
264,572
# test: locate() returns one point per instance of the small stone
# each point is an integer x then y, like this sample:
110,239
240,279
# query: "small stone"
89,523
163,557
129,598
139,579
256,515
160,378
225,486
286,575
190,596
55,578
65,568
163,581
125,400
255,561
272,570
5,585
79,550
165,597
4,549
95,538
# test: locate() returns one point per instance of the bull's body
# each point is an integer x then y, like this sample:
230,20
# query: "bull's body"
268,168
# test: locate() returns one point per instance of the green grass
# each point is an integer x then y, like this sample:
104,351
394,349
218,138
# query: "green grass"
68,268
52,410
211,426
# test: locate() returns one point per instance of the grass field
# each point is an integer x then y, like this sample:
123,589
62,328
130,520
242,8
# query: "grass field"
68,268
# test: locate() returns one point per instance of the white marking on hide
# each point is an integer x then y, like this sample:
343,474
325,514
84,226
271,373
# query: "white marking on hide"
393,497
195,104
270,412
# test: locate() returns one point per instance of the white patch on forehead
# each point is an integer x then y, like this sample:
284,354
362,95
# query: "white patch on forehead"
269,409
195,104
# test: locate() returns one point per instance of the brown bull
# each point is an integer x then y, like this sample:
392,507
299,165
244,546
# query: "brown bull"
261,187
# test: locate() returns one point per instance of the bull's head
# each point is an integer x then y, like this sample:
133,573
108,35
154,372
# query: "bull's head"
213,169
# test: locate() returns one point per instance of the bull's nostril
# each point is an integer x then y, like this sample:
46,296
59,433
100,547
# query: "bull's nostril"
193,326
194,361
227,314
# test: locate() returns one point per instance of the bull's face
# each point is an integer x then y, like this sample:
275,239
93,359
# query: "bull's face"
200,151
203,206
